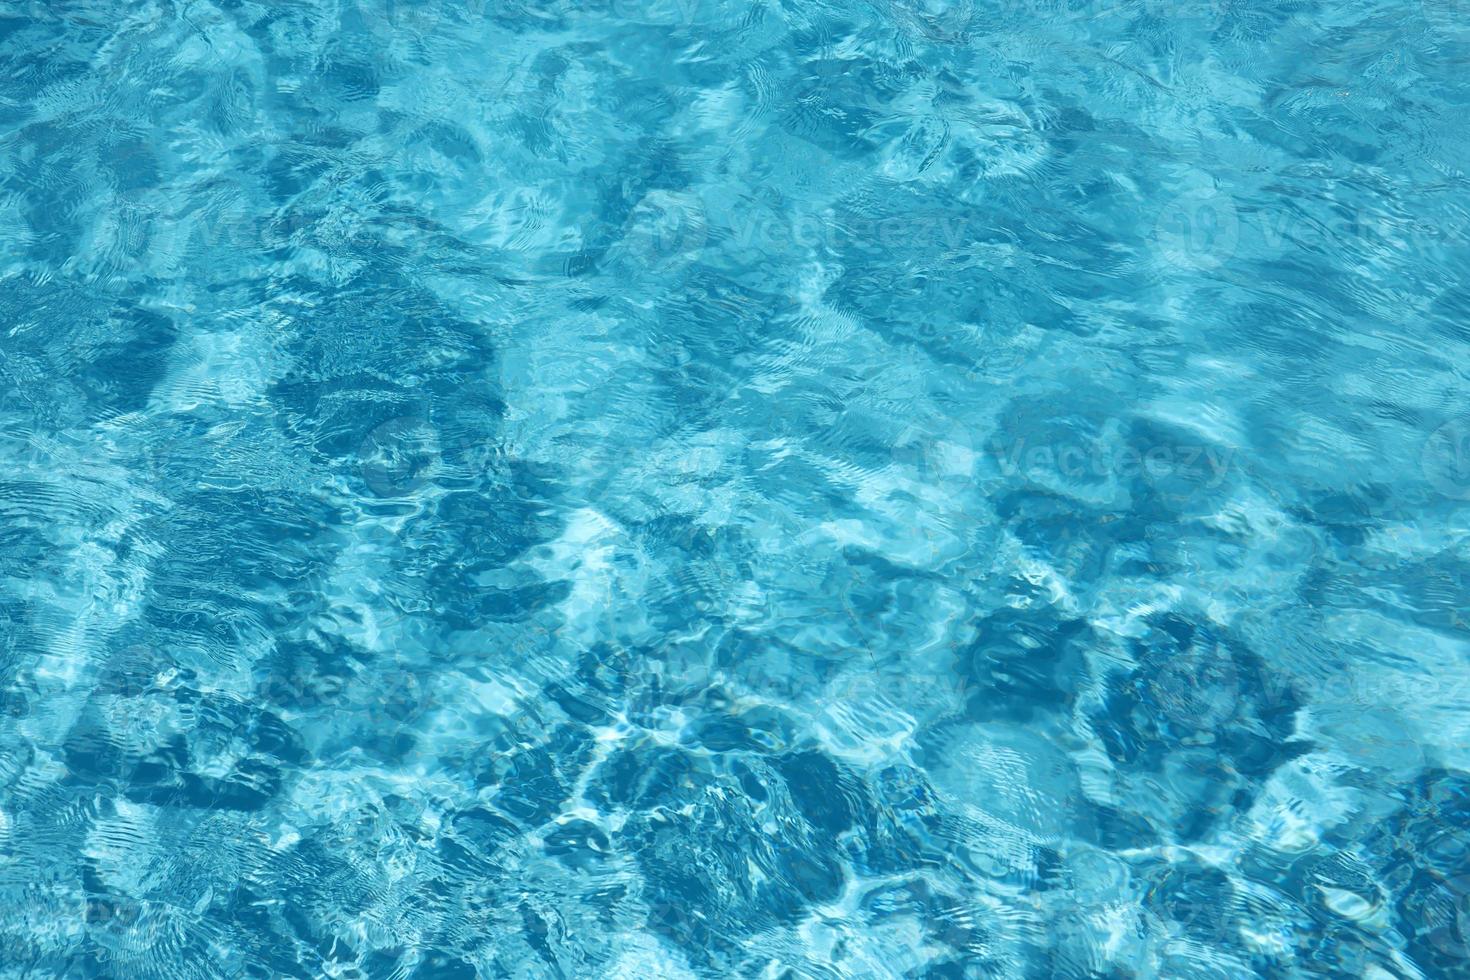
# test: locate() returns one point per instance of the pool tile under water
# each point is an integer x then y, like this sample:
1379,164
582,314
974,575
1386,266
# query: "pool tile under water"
704,489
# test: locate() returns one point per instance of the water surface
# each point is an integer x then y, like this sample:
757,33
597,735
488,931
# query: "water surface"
682,488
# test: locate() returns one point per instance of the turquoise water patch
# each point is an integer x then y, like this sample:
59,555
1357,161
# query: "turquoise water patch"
685,488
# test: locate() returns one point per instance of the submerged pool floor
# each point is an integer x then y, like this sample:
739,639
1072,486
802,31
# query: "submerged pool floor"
686,488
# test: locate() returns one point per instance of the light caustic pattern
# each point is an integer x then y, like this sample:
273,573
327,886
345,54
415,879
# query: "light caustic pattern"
687,488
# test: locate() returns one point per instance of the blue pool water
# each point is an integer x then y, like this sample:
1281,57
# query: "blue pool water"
696,488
